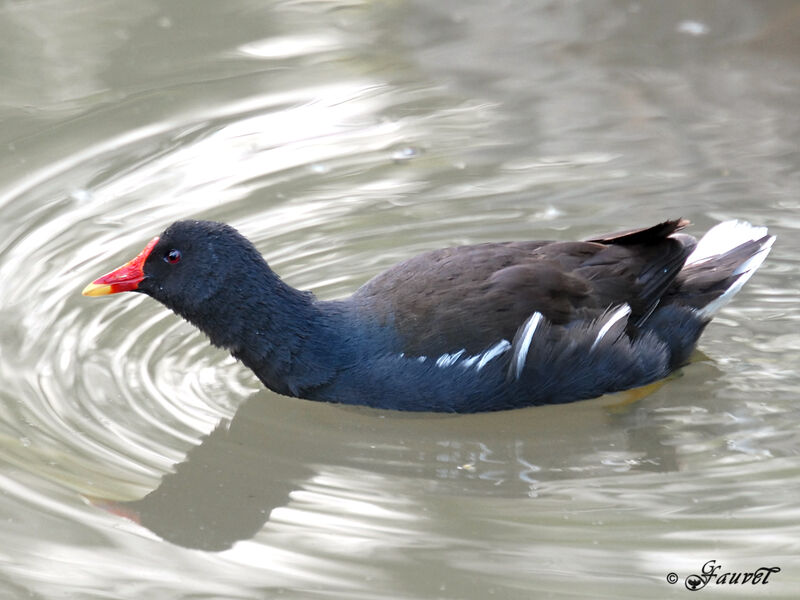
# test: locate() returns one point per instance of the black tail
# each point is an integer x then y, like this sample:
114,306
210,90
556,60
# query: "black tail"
724,259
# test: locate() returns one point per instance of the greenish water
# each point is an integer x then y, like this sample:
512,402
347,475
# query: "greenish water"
137,461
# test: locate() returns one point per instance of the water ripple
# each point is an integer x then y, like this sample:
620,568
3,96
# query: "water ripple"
117,404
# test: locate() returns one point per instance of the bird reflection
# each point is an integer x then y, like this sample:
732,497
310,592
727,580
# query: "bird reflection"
227,486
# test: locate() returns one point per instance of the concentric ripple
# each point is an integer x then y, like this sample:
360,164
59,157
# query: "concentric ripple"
315,176
121,383
136,460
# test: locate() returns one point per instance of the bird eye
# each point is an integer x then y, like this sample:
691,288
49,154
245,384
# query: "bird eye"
173,256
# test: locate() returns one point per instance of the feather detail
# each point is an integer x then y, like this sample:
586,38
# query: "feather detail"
522,343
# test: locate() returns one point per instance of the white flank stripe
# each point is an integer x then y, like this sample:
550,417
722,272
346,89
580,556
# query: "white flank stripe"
521,353
493,352
479,360
622,312
445,360
468,362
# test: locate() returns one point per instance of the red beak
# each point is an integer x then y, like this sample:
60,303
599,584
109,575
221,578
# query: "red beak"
124,279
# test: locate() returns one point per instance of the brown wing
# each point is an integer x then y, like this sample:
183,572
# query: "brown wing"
644,235
470,297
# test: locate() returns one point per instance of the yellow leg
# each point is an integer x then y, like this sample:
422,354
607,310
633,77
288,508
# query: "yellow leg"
628,397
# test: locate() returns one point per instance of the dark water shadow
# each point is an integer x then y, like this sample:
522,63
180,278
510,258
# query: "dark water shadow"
227,486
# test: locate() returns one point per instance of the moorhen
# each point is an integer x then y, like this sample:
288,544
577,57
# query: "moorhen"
487,327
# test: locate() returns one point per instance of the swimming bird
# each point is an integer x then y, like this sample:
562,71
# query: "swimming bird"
484,327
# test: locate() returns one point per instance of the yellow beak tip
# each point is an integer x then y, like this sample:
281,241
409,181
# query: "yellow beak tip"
94,289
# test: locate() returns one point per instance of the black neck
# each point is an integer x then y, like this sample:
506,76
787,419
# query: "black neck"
277,331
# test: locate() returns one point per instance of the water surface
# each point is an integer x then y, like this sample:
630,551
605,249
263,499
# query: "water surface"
136,460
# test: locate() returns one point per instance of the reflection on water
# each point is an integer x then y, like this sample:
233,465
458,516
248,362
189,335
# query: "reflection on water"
226,487
341,137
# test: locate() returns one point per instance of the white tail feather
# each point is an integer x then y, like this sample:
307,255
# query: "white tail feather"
724,238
